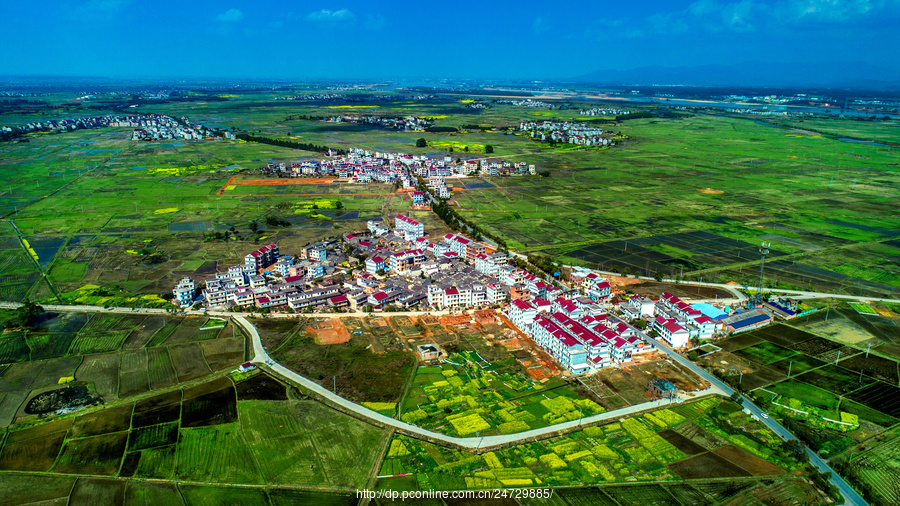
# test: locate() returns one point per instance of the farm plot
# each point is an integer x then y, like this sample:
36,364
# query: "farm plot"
465,399
784,335
815,346
54,370
214,453
33,449
838,327
880,368
881,397
102,422
765,353
152,436
13,348
306,443
210,495
103,372
186,331
797,364
44,346
156,462
21,488
586,496
162,334
835,379
93,455
160,369
162,408
211,408
669,253
223,353
807,394
738,342
362,375
630,450
879,468
142,493
188,361
97,491
261,387
143,332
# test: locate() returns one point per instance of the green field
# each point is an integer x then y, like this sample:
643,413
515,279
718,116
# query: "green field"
678,173
465,399
630,450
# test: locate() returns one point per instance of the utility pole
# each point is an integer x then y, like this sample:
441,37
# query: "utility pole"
838,357
867,349
763,251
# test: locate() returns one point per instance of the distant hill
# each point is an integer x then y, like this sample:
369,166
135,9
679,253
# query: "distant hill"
846,75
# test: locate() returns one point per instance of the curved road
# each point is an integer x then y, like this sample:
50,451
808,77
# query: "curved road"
851,497
262,357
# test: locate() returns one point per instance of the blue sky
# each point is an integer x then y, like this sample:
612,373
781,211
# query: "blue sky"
461,39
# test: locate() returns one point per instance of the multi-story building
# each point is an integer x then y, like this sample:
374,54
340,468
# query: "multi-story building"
184,292
375,264
490,264
263,257
404,261
409,228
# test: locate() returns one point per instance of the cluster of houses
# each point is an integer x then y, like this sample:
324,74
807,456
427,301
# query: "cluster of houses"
147,126
578,332
572,133
341,97
160,127
407,124
526,103
605,111
363,166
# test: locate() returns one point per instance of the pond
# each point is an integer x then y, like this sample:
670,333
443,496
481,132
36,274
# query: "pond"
867,143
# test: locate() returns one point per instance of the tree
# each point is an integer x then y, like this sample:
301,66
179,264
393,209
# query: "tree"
489,149
421,142
28,315
253,226
659,275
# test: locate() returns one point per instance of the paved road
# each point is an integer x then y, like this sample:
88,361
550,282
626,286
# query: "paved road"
851,497
262,357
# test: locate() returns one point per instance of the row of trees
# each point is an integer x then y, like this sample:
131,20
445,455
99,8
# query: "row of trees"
306,146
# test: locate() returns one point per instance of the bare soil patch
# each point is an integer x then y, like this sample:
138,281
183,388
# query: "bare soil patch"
261,387
331,331
750,463
103,421
706,465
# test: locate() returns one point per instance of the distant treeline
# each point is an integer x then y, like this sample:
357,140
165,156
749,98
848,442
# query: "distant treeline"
427,89
437,129
305,146
309,117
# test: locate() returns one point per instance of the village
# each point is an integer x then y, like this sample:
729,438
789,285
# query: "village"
567,132
363,166
582,324
147,127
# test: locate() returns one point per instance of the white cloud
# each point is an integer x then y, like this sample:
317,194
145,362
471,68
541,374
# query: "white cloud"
828,10
230,16
327,15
